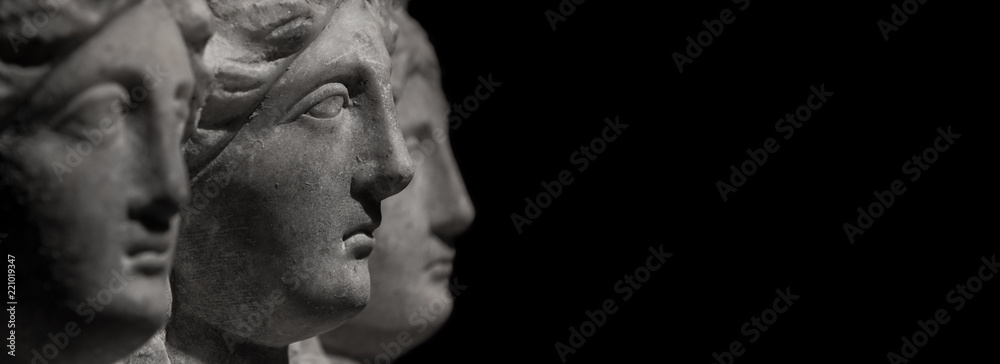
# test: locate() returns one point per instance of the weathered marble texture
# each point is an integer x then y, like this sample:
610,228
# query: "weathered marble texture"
295,150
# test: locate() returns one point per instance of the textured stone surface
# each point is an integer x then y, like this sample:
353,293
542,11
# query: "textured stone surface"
296,148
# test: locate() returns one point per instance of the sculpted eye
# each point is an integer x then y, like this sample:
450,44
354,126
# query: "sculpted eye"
325,102
412,142
97,109
328,108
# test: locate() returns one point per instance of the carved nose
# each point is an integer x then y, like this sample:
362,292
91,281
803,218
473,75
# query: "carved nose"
383,163
162,175
392,174
386,167
451,210
155,214
163,188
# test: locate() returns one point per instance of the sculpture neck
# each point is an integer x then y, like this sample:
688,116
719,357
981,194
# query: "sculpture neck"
191,340
310,351
334,359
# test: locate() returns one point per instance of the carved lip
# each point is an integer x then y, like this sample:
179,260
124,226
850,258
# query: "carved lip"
150,256
440,268
442,261
157,245
151,264
360,242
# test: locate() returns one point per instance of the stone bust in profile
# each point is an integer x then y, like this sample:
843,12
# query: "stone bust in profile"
95,100
411,268
295,150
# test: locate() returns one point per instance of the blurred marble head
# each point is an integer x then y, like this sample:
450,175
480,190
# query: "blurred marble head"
95,100
296,148
412,264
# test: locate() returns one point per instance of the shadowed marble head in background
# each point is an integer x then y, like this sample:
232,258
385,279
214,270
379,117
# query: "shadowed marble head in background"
95,97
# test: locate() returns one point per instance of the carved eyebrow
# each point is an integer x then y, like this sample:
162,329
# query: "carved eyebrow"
102,94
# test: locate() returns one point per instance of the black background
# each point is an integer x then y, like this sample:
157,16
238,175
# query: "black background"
655,184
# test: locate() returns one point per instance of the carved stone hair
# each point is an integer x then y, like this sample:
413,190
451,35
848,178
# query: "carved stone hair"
42,33
234,56
39,34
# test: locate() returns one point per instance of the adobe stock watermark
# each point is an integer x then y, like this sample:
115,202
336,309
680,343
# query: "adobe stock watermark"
11,301
787,125
89,309
700,42
420,320
581,157
899,16
626,287
958,296
120,108
31,24
565,8
462,111
754,328
915,167
426,147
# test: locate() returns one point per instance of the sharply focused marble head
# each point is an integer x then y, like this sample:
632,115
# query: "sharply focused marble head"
411,266
95,98
295,150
